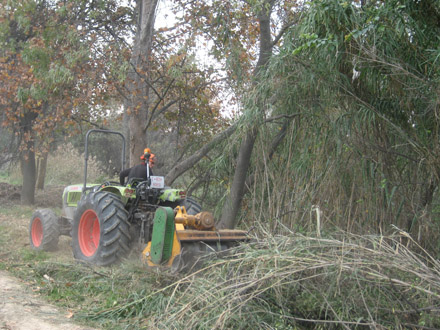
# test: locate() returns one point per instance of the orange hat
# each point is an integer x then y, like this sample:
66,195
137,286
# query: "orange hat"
146,151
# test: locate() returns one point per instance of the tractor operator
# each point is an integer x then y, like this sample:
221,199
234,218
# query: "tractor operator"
139,171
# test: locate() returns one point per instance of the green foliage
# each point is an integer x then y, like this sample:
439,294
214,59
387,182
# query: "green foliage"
5,176
358,89
55,64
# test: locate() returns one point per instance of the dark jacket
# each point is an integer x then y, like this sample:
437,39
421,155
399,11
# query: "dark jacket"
138,171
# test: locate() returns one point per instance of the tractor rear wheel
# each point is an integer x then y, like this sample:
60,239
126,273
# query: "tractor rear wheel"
100,231
44,230
192,207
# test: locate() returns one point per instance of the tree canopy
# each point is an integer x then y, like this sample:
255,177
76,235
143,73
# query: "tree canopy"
359,85
55,69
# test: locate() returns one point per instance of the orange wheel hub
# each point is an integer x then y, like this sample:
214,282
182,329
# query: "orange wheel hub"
89,233
37,232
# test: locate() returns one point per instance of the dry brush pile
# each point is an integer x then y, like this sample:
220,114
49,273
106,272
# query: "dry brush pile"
289,282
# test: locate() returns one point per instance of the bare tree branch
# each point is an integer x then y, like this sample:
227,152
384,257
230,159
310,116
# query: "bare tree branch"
185,165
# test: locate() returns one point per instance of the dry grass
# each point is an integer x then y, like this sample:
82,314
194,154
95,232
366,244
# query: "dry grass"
286,281
290,282
66,166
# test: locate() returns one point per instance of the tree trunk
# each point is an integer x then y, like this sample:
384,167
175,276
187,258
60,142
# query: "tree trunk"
42,165
233,201
27,160
137,107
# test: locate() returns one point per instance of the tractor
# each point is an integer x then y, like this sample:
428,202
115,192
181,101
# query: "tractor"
105,220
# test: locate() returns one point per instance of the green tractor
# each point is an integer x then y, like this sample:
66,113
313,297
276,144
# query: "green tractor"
104,220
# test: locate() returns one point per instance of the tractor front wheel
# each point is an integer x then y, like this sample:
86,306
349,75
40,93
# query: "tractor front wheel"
44,230
100,231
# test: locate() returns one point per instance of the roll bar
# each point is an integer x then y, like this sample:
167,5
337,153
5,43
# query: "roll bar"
86,152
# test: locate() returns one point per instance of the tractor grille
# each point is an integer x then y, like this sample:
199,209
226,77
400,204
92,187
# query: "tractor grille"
73,197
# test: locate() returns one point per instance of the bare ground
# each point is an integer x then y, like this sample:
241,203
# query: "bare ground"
51,196
20,307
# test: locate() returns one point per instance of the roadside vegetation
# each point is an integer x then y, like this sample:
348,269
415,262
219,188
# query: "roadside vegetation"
294,279
286,281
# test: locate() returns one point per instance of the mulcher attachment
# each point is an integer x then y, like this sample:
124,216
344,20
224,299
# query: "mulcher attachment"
179,239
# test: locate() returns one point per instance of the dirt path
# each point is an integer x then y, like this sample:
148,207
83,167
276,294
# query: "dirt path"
21,309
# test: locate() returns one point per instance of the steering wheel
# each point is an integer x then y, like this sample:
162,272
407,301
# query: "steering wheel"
134,182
